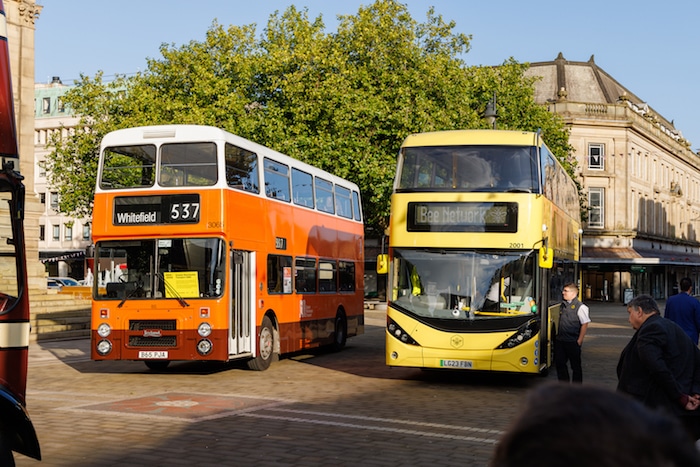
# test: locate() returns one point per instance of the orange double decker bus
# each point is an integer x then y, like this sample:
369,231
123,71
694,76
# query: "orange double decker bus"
211,247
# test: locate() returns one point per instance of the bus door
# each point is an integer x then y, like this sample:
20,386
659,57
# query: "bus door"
243,306
549,310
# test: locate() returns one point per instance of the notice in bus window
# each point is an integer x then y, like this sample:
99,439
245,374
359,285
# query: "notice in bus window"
287,281
181,284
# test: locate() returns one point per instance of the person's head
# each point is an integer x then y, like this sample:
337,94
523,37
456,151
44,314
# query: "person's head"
570,291
686,284
589,426
640,308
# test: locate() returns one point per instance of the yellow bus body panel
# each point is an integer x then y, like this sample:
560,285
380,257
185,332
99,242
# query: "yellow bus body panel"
477,350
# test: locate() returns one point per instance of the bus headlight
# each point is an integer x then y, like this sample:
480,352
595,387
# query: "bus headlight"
204,347
524,333
104,347
103,330
204,329
398,333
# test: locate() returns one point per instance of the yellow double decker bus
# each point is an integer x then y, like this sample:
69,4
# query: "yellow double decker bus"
484,234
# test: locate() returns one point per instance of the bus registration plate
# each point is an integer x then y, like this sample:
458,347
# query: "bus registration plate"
456,364
153,354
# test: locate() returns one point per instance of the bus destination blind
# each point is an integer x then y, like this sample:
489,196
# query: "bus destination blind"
462,217
160,209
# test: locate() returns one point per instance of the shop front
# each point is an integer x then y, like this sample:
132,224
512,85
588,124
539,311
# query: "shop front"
616,274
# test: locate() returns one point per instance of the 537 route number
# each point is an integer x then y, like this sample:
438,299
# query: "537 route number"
184,212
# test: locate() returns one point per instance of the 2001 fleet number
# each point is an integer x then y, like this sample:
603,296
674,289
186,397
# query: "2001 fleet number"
516,245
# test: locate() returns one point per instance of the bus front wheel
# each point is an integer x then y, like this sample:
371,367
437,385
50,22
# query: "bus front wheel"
266,347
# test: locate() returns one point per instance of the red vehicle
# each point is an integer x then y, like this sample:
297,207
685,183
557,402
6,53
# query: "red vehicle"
16,429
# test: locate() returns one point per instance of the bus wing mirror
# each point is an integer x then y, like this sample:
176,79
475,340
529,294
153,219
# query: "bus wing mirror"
382,264
546,258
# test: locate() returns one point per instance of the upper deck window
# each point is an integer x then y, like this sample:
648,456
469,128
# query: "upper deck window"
343,204
128,167
242,169
468,168
356,208
188,164
324,196
276,180
303,188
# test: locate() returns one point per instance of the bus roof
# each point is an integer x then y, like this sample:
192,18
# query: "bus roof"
472,137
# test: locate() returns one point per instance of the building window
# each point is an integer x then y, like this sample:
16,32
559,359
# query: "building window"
46,105
42,232
596,156
86,232
42,198
596,203
54,200
60,105
56,232
69,233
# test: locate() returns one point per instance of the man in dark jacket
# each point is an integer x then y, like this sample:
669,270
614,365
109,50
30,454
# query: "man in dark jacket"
684,309
660,365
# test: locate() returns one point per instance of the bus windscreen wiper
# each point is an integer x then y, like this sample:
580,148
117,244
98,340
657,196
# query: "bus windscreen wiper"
138,286
172,291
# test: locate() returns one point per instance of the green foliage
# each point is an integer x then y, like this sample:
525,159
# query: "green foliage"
343,101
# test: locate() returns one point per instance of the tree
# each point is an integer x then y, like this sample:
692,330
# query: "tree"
342,101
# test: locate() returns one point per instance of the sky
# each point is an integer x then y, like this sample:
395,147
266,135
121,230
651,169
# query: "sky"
650,48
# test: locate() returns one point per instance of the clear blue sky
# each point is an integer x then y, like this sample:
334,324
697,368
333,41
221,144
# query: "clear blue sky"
651,48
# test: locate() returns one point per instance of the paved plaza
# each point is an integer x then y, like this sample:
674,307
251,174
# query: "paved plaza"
315,408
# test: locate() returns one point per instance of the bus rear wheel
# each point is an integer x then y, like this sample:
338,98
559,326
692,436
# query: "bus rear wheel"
340,335
266,347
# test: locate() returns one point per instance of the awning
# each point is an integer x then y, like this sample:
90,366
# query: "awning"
598,255
55,256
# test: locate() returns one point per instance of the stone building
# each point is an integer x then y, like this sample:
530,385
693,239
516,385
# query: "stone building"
641,178
62,240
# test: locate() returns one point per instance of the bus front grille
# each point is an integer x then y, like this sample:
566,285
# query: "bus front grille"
163,341
146,324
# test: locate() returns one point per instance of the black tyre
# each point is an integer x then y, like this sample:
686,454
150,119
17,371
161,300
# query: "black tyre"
340,335
157,365
266,347
6,457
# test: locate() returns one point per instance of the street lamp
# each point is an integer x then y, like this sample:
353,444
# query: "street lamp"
490,114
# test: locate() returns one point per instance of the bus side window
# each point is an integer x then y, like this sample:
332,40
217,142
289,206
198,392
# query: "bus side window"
346,276
279,274
277,180
342,202
241,169
356,208
326,276
324,195
305,275
302,188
